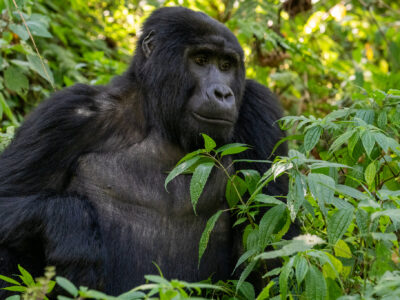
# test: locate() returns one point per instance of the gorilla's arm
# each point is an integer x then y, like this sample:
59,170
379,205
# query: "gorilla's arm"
46,230
50,141
257,127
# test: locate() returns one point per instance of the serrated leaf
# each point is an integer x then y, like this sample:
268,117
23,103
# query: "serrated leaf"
367,115
179,169
322,188
246,272
209,143
38,29
382,119
265,292
231,193
338,224
198,181
370,173
67,285
362,221
15,80
19,30
393,214
245,256
295,198
352,143
267,199
268,224
312,137
206,233
284,278
351,192
368,141
289,249
35,63
301,267
315,284
341,140
251,177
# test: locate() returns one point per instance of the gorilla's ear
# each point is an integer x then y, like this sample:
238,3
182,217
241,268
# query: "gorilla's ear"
147,44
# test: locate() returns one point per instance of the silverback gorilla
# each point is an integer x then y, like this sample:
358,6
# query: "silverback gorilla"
82,183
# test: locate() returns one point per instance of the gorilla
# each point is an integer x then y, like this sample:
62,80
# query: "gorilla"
82,183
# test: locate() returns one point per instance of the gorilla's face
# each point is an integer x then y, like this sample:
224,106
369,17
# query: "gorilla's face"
213,105
191,68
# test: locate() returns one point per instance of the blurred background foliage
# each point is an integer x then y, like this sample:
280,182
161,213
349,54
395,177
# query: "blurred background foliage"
313,54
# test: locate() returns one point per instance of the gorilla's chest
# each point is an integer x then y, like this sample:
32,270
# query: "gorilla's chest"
135,177
144,223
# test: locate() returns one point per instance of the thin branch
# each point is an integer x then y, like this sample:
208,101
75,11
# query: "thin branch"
34,44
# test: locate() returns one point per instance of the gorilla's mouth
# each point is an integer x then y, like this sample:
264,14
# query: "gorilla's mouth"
213,119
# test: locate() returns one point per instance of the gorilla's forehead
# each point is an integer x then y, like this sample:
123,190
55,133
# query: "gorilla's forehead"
186,27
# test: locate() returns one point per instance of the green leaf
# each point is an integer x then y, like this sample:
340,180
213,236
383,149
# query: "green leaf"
295,198
231,194
38,29
19,30
9,280
338,224
322,188
25,276
15,288
284,278
15,80
246,272
368,141
245,256
370,173
190,155
362,221
341,140
312,137
268,224
315,284
393,214
264,295
15,297
35,63
382,119
267,199
179,169
289,249
350,192
206,233
301,267
4,106
198,181
230,146
67,285
209,143
367,115
352,143
251,177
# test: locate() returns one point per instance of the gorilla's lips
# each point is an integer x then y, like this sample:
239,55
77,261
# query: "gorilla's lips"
218,120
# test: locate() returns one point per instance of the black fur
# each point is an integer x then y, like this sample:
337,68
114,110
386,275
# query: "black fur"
82,183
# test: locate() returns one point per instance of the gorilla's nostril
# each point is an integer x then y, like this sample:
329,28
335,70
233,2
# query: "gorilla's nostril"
218,94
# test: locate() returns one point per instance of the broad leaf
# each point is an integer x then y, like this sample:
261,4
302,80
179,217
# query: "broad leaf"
206,233
338,224
198,181
179,169
311,137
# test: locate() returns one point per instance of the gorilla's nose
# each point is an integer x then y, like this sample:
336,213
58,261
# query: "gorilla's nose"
220,92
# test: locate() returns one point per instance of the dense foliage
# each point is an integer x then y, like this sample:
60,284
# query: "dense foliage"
336,67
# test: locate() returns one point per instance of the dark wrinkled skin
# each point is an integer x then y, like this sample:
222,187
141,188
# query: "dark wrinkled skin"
82,183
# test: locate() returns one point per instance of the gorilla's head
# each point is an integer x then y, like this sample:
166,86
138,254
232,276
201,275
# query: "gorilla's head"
191,70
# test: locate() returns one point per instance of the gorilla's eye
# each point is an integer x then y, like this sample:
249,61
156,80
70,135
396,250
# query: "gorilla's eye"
225,65
201,60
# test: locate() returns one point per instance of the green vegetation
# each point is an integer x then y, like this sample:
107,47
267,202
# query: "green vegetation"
336,67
